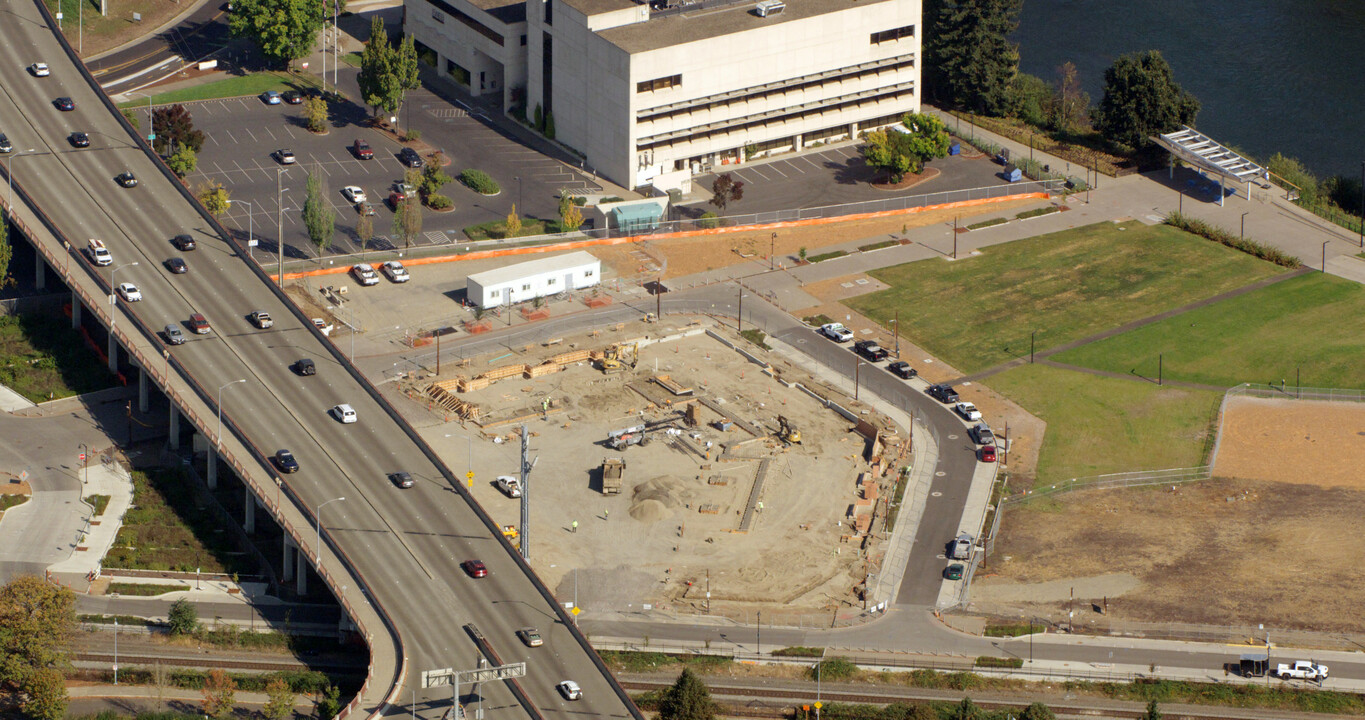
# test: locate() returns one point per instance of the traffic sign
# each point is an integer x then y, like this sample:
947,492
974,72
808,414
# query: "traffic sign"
470,477
82,457
575,610
818,705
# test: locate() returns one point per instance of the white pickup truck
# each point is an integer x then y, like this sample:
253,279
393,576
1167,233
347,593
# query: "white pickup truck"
1301,670
836,332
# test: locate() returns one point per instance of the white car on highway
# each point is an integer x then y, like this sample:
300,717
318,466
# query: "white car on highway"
129,292
353,194
345,413
570,690
39,69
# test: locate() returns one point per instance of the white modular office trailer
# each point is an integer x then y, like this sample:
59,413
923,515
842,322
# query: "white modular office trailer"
529,280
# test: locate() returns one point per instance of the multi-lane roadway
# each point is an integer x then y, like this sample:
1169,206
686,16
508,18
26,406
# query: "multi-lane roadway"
405,546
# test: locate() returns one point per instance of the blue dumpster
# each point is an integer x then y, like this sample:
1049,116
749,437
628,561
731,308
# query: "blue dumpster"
1013,174
955,149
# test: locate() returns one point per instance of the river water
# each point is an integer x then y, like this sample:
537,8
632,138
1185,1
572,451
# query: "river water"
1272,75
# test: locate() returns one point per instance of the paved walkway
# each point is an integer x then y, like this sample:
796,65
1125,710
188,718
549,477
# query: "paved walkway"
11,401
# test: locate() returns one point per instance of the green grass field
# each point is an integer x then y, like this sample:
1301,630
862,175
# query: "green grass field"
144,589
235,86
979,311
167,530
1098,425
1314,323
43,359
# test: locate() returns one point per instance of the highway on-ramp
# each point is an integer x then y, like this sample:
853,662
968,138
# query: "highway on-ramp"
405,546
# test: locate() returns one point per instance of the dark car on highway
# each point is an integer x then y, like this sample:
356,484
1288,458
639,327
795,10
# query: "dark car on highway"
286,462
126,179
64,104
411,158
177,266
401,479
870,350
305,366
183,242
475,568
902,369
942,393
79,139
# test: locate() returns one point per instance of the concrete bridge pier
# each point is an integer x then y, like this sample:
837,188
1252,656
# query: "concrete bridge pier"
75,308
174,428
142,393
39,271
288,572
303,572
113,351
211,460
249,522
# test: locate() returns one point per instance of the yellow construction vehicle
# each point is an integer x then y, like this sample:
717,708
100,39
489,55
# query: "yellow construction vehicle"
786,432
614,358
510,532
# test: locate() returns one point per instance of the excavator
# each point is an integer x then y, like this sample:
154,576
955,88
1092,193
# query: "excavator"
786,432
614,358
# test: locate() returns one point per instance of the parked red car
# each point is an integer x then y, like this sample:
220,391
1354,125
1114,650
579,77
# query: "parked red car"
986,453
362,150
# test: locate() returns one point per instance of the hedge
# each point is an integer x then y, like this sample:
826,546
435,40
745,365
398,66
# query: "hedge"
1224,237
479,182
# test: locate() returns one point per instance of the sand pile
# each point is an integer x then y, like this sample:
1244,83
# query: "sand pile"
655,499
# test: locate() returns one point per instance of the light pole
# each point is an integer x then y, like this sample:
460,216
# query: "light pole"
279,238
521,208
115,629
1324,255
1244,226
85,461
219,437
113,319
250,226
317,544
772,248
758,632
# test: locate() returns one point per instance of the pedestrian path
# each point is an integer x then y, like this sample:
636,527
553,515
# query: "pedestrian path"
11,401
95,540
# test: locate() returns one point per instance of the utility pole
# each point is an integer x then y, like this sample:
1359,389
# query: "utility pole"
526,495
438,353
954,238
279,215
739,315
857,366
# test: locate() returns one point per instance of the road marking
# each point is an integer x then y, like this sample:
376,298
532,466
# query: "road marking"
271,134
252,134
812,163
775,169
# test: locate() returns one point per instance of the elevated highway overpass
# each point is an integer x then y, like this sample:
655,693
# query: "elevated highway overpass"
391,556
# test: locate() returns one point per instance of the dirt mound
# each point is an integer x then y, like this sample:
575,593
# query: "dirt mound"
655,499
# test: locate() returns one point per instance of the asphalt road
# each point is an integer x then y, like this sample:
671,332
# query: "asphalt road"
195,37
405,545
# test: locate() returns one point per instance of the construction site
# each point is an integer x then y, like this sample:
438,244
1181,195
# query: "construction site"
676,467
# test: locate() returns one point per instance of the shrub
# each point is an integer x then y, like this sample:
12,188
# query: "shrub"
1038,212
708,220
1219,235
412,135
826,256
835,668
439,202
988,223
479,182
1009,662
877,245
799,651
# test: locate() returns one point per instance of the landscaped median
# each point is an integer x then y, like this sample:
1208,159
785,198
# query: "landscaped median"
232,86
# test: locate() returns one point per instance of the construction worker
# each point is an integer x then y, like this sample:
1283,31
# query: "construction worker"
575,526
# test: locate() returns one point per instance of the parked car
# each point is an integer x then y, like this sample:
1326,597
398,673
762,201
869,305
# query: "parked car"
270,97
344,413
285,157
177,265
395,271
401,479
836,332
65,104
126,179
261,319
364,274
39,69
129,292
353,194
968,411
411,158
293,97
173,335
200,324
962,547
362,150
305,366
530,636
953,572
475,568
286,462
981,435
509,485
79,139
870,350
1301,670
570,690
986,454
902,369
942,393
184,242
365,208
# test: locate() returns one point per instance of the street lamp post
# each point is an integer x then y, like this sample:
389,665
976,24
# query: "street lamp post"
520,208
758,632
219,436
317,544
115,636
85,461
113,319
279,202
1244,226
1324,255
772,248
250,226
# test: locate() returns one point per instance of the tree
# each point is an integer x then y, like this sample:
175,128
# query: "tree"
220,694
726,190
214,197
433,176
183,618
36,622
513,222
1037,711
183,162
281,702
6,250
315,109
968,58
1153,712
1071,104
364,230
318,216
967,710
329,703
688,699
924,711
406,69
1142,99
898,153
174,129
376,67
285,30
570,217
407,220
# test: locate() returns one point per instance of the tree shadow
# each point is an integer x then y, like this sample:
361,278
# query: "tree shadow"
853,171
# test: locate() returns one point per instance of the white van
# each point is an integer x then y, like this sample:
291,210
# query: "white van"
100,254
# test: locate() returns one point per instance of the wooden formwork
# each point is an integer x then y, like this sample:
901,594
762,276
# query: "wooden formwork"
535,371
505,371
571,357
443,397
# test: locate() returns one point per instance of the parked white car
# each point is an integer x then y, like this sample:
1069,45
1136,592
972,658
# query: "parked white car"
395,271
364,274
353,194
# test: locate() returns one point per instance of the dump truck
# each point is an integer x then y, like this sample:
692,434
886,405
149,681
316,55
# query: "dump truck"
612,471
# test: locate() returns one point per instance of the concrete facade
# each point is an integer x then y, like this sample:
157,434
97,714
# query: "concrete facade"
653,93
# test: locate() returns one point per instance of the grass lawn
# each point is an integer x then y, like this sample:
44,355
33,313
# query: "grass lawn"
1098,425
145,589
234,86
9,501
82,18
498,229
166,530
979,311
43,359
351,58
99,502
1314,323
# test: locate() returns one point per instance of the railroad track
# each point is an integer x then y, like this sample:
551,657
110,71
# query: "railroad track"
206,661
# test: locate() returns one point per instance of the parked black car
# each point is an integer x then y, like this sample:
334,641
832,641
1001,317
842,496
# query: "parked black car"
411,158
902,369
870,350
942,393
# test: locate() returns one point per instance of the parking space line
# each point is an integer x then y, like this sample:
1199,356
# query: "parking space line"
758,172
211,137
271,134
252,134
812,163
230,135
774,168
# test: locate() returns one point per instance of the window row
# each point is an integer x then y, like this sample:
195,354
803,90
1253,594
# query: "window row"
893,35
663,83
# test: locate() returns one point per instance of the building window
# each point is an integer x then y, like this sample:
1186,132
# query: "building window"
526,287
549,12
473,24
893,35
438,16
552,281
494,293
587,273
665,83
523,41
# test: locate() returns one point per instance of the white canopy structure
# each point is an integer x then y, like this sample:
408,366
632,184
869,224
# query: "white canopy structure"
1208,154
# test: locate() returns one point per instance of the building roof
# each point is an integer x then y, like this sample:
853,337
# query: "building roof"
597,7
512,273
694,25
507,11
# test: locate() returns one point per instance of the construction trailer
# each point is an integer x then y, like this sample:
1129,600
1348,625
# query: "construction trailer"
533,279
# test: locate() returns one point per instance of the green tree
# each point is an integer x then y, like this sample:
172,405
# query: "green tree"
318,216
285,30
923,711
329,703
688,699
407,220
898,153
968,58
1037,711
1142,99
36,622
174,128
513,223
549,125
433,176
725,190
377,62
281,702
315,110
183,162
183,618
6,250
1153,712
570,217
219,694
967,710
405,67
1070,104
364,230
214,197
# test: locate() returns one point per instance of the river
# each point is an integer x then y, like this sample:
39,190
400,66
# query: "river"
1272,76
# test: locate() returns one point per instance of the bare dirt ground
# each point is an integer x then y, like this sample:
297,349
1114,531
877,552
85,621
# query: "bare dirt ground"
690,255
671,525
1272,541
